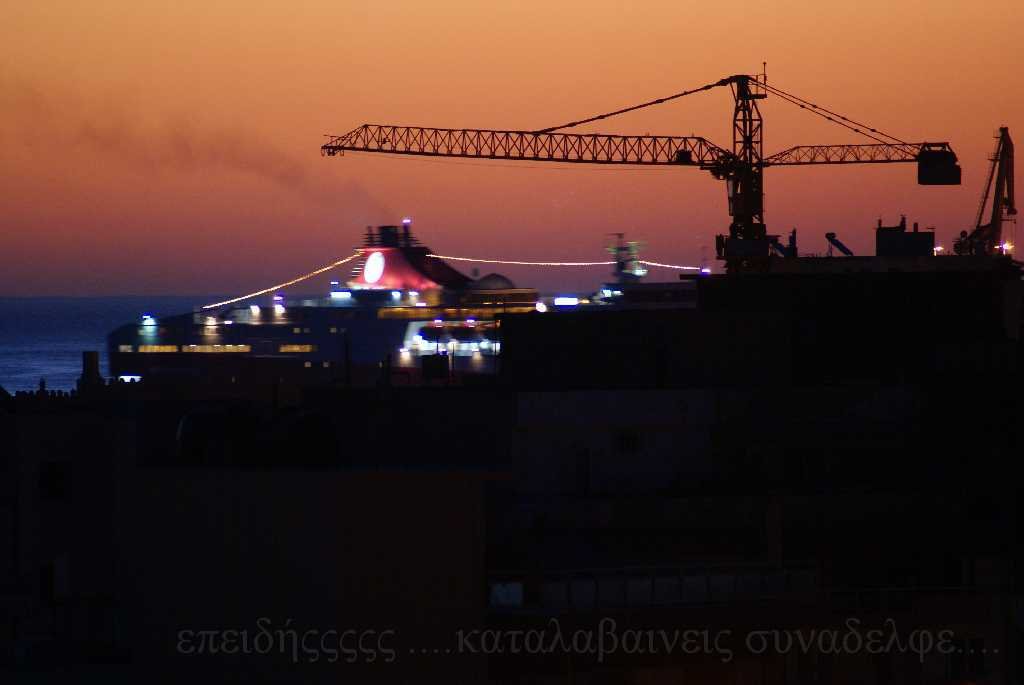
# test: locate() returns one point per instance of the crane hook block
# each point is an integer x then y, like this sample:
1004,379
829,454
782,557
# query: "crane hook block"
936,165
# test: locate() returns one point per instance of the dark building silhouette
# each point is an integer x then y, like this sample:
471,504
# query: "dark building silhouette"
783,452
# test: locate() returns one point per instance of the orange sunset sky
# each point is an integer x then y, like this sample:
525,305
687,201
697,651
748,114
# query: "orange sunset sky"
173,147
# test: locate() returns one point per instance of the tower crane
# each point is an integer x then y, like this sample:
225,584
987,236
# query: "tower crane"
747,245
987,238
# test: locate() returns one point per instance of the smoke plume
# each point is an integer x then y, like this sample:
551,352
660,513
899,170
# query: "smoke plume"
106,128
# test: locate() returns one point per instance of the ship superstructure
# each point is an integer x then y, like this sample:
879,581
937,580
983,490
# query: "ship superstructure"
398,306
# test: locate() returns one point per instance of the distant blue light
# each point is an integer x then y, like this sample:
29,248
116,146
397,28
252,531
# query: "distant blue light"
148,320
706,270
566,301
396,294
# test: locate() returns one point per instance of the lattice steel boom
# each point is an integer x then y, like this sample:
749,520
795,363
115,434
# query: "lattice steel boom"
845,154
593,148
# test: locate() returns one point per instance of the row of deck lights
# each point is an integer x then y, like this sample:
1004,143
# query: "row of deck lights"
1004,248
450,346
396,295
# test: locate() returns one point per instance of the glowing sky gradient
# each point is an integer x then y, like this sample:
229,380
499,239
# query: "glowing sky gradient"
155,147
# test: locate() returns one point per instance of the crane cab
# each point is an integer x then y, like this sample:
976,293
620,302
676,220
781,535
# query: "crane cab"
936,165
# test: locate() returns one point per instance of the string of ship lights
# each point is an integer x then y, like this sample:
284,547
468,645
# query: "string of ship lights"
340,262
672,266
299,279
514,262
520,263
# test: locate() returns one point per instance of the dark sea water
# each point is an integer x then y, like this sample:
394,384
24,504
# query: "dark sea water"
43,337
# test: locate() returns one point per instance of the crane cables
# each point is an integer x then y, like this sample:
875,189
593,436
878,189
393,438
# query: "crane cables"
642,105
825,113
836,118
298,279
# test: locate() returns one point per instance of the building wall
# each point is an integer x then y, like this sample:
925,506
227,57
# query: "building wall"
726,507
221,549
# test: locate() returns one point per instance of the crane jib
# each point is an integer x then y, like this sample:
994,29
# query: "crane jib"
595,148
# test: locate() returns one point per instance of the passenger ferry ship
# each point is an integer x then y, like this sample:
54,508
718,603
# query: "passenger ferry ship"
400,308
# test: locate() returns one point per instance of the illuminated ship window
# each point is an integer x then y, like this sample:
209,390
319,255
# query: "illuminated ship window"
158,348
216,348
124,348
334,329
297,348
296,330
308,365
327,365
